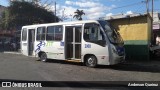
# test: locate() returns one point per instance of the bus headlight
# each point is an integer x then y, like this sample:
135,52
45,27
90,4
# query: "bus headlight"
120,51
114,50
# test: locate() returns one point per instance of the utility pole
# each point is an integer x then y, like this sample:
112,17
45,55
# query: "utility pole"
55,13
63,17
152,8
147,7
71,16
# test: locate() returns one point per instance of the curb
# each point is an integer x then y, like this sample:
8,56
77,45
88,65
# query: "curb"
146,64
12,52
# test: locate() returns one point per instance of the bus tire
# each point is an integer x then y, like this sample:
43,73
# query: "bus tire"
91,61
43,57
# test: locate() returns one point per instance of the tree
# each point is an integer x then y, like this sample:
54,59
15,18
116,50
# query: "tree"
78,14
25,13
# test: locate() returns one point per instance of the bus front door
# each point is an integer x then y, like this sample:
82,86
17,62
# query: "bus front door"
73,42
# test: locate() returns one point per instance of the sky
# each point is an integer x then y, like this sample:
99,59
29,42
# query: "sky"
94,9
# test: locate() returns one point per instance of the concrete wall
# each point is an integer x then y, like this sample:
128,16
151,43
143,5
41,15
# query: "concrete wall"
136,33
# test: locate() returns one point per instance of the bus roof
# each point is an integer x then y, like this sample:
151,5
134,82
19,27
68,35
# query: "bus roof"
61,23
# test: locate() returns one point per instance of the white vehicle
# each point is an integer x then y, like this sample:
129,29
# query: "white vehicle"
91,42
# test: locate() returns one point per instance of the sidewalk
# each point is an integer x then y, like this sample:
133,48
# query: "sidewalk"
2,50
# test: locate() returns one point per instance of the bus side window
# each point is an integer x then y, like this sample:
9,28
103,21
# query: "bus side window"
54,33
86,35
50,33
58,33
92,33
40,33
24,34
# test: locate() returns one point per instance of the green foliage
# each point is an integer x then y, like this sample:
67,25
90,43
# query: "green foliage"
5,20
78,14
24,13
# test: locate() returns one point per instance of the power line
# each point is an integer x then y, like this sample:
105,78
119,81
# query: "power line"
129,5
144,2
140,9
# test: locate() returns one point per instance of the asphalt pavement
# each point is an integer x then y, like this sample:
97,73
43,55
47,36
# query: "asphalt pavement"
17,67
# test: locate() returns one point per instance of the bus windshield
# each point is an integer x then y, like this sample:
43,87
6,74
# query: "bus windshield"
112,34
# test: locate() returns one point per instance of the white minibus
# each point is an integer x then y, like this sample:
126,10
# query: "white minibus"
93,42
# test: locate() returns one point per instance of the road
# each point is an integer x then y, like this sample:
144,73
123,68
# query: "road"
23,68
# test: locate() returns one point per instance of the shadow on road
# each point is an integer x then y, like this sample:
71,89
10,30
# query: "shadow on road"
141,66
133,67
64,62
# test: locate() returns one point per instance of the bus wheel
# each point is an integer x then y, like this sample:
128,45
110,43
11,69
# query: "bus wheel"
43,57
91,61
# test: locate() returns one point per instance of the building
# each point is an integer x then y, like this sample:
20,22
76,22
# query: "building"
156,26
136,31
156,17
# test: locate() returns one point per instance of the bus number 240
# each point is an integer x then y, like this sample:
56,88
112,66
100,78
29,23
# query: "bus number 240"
87,45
